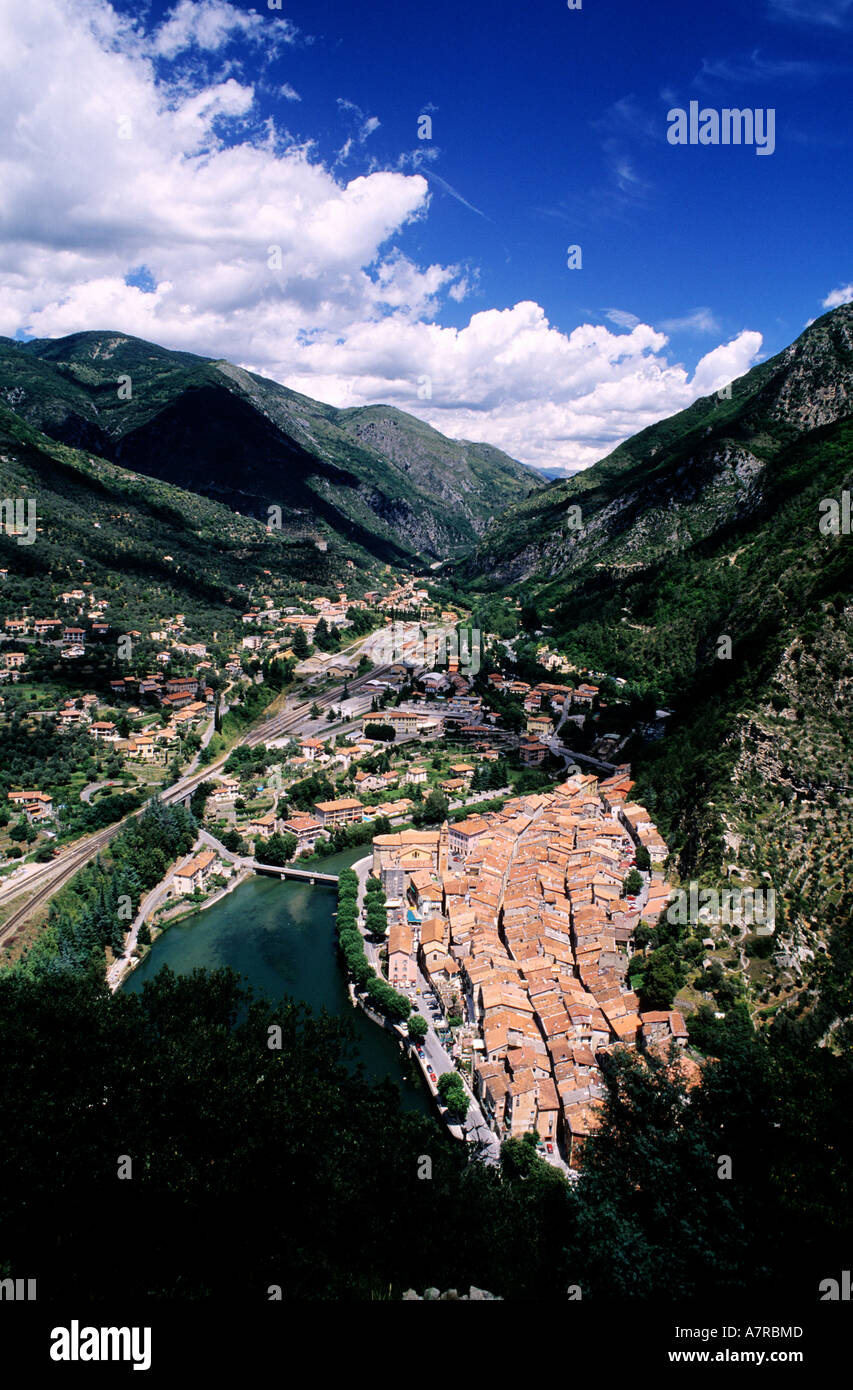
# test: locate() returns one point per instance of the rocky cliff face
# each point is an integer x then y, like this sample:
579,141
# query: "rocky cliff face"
682,481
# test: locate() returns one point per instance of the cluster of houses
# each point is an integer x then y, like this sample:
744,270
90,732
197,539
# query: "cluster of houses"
186,698
536,699
333,610
172,693
322,754
403,596
273,629
37,806
73,639
194,875
521,914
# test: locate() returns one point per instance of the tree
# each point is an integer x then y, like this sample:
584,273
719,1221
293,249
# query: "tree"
514,719
417,1027
643,935
276,849
661,981
395,1006
375,912
299,644
529,618
315,711
432,811
632,884
384,732
520,1160
650,1173
452,1092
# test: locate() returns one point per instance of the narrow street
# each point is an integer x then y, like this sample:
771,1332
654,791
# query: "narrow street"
475,1128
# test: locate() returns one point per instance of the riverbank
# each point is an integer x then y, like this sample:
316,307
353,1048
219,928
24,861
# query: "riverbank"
430,1055
411,1053
181,913
281,937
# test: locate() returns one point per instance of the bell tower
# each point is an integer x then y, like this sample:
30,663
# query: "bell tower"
443,848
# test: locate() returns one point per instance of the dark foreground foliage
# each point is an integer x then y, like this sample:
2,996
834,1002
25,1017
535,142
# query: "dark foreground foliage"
253,1166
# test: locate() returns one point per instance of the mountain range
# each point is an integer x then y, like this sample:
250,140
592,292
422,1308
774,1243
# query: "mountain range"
697,560
373,479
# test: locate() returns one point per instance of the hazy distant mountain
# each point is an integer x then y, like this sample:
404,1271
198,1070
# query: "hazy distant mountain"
552,474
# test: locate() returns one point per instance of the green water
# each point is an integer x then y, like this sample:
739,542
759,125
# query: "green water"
281,936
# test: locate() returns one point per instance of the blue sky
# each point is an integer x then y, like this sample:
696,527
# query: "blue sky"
249,183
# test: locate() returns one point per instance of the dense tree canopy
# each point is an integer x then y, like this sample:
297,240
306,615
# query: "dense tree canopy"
285,1166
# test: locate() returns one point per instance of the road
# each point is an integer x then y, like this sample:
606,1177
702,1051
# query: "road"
475,1128
158,894
88,792
49,878
149,904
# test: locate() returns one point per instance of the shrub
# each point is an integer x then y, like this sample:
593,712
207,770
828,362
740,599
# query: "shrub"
759,946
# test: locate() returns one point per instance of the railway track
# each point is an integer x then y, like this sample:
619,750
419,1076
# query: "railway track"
56,875
65,869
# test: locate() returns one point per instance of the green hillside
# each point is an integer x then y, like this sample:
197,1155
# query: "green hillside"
700,572
376,479
151,548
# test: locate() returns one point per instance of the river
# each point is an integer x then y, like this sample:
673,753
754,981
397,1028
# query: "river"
281,937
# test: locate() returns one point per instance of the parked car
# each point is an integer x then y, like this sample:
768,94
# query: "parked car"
550,1148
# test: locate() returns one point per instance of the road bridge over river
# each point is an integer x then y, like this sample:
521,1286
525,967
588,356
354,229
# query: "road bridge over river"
285,871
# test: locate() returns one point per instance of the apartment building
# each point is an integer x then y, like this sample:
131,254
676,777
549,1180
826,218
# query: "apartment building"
346,811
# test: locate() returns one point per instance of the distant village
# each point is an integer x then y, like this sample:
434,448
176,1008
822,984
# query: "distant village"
157,719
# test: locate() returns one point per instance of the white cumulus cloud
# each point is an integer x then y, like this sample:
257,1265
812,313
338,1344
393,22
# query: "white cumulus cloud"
255,250
844,295
210,24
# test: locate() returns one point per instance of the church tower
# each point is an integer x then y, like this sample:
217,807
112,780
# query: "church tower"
443,849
